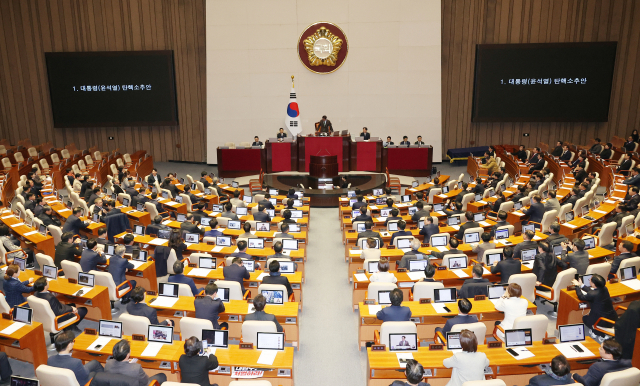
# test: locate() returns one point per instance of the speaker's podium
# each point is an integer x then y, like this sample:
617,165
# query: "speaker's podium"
323,166
337,145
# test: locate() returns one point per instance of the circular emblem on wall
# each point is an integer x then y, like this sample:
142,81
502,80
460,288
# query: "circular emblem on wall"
323,47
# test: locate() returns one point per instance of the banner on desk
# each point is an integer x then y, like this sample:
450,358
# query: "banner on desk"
246,372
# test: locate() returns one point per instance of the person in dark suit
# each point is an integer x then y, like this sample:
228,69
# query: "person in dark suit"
597,294
275,277
474,286
597,147
558,149
388,142
359,203
228,213
429,229
559,373
93,196
363,215
469,224
625,248
118,267
41,286
190,225
192,197
413,254
632,199
110,206
502,221
236,272
193,367
324,126
634,180
47,217
14,288
536,210
480,187
626,163
167,185
67,249
156,225
539,161
457,210
507,267
153,177
120,364
626,327
139,308
420,213
365,134
527,243
544,266
30,203
611,354
401,231
499,201
64,343
463,192
258,303
419,141
574,196
242,247
520,193
463,317
606,153
579,174
521,153
579,259
565,155
396,312
73,223
179,277
281,134
405,141
91,257
209,306
203,179
369,233
292,193
257,141
630,145
262,215
37,210
266,203
453,249
394,215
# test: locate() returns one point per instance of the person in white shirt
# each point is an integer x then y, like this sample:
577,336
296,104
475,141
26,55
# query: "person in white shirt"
383,275
513,306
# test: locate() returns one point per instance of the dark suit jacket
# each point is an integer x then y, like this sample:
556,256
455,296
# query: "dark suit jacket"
71,363
566,156
363,217
152,180
91,259
366,136
357,205
394,314
142,309
267,204
626,165
547,380
599,369
398,234
281,135
600,303
67,251
545,269
13,290
57,307
473,287
572,200
419,214
118,268
535,211
195,369
237,273
191,228
618,259
263,316
74,224
182,279
429,230
578,260
370,233
463,227
277,278
634,180
521,154
517,250
262,216
133,370
459,319
537,166
207,308
506,268
630,146
31,205
49,220
325,126
606,153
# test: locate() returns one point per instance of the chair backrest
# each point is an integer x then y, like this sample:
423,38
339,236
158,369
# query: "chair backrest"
478,328
537,323
396,328
527,282
133,324
486,382
235,290
184,289
525,201
193,327
18,157
395,241
82,165
42,313
445,258
223,221
601,269
170,260
88,159
628,377
467,198
65,154
43,260
433,192
275,287
186,200
127,158
151,208
424,289
548,218
447,235
632,261
622,230
371,254
251,328
106,280
372,292
258,197
354,225
478,230
6,162
119,162
564,209
194,258
97,156
605,237
71,269
56,233
563,280
43,163
4,306
510,227
56,376
55,158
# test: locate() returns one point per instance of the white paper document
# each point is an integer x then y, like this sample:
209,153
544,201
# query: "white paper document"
250,308
64,210
634,284
373,207
17,225
171,203
600,211
102,341
536,238
569,351
217,248
15,326
442,249
166,222
356,251
157,241
442,195
262,276
361,277
418,275
201,272
523,353
570,225
152,349
441,213
439,307
460,273
456,227
85,290
374,308
403,357
405,250
267,357
382,219
485,271
484,223
30,233
482,203
164,301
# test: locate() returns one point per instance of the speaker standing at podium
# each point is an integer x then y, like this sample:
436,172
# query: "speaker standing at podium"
324,126
365,134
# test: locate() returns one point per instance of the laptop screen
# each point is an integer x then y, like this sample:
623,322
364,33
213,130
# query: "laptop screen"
160,334
20,262
111,249
180,217
294,228
247,199
571,333
392,226
168,289
568,216
438,241
502,234
496,291
455,220
250,265
110,328
406,198
360,227
444,295
215,338
273,296
138,230
386,212
478,217
207,262
445,189
414,184
139,255
418,265
263,226
255,243
216,208
528,227
270,341
351,193
178,199
20,381
273,192
412,210
589,243
162,234
50,272
296,214
384,297
628,273
517,205
493,258
43,229
233,224
223,241
477,198
287,267
290,244
355,213
377,192
472,237
438,207
223,294
529,254
297,203
85,279
205,221
457,262
404,243
403,342
234,184
453,341
22,314
372,267
557,250
192,238
241,211
519,337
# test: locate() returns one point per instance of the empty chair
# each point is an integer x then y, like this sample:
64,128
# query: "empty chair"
56,233
65,154
55,159
564,209
132,324
71,269
251,328
382,336
605,234
628,377
563,280
88,160
4,306
537,323
467,198
446,258
548,218
18,157
193,326
425,289
43,260
56,376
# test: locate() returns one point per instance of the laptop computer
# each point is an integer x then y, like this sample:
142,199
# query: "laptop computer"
384,297
287,267
406,198
160,334
403,342
181,217
454,220
273,296
223,294
355,213
233,224
216,208
412,210
223,241
557,250
215,338
270,341
110,328
569,216
22,314
477,217
385,212
444,295
351,193
377,192
263,226
21,381
168,289
517,205
403,243
138,254
478,197
207,262
438,241
86,279
372,266
520,337
502,234
392,226
193,238
271,213
294,228
297,203
162,234
42,230
418,265
453,341
205,221
50,272
250,265
20,262
528,227
110,249
178,199
493,258
296,214
628,273
234,184
457,262
473,237
274,192
255,244
528,256
138,230
290,244
438,207
247,199
360,227
241,212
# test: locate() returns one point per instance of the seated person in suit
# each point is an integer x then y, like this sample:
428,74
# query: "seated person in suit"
611,354
507,267
41,286
91,257
451,212
102,237
292,193
429,229
275,277
258,303
413,254
246,227
14,288
209,306
599,299
359,203
193,367
388,142
625,248
120,364
521,153
286,215
476,285
607,152
420,213
267,204
228,213
236,271
48,218
552,202
579,259
285,232
485,245
419,141
394,215
64,346
499,201
281,134
414,372
236,201
369,233
118,267
156,225
363,215
597,147
383,275
463,317
365,134
67,249
626,163
139,308
179,277
277,248
396,312
502,221
469,224
453,249
405,141
630,145
129,243
257,141
261,214
559,373
191,225
401,231
536,210
213,232
565,154
167,185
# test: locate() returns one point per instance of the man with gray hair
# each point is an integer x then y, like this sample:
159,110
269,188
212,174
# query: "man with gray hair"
118,266
413,254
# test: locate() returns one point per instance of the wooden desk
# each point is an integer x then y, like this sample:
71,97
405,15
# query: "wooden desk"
443,179
26,344
427,319
42,243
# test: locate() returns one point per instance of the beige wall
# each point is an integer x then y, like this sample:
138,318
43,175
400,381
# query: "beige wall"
390,82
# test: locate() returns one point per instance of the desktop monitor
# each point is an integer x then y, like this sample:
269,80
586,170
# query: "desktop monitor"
585,209
438,241
457,262
86,279
223,294
215,338
234,184
493,258
586,279
273,201
193,238
273,296
297,203
139,255
418,265
384,297
160,334
477,198
270,341
294,228
271,213
571,333
43,229
110,249
165,195
518,337
110,328
168,289
255,243
444,295
420,224
414,184
438,207
517,205
403,342
207,262
412,210
557,250
454,220
351,193
352,201
216,208
233,224
21,381
445,189
473,237
178,199
290,244
247,199
273,192
355,213
502,234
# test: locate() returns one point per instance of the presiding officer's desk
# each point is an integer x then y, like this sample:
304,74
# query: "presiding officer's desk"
280,372
25,344
427,319
383,366
235,311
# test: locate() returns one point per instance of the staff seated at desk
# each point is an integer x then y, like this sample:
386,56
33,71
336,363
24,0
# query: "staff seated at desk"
506,267
259,303
476,285
209,306
369,233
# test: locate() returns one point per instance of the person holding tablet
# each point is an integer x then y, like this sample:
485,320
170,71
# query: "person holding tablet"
597,294
469,364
